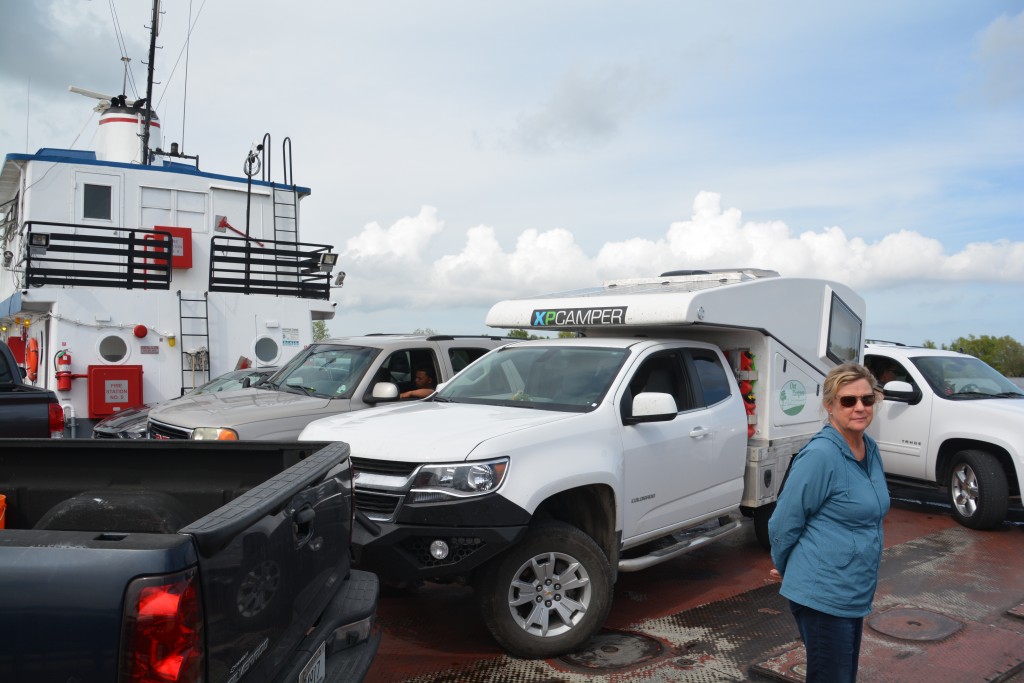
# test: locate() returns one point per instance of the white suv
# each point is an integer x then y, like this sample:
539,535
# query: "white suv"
949,419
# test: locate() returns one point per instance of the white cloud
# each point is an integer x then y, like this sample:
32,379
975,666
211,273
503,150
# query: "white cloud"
389,268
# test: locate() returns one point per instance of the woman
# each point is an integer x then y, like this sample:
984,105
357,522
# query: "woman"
826,530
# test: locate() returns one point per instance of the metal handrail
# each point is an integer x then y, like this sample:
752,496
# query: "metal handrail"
93,256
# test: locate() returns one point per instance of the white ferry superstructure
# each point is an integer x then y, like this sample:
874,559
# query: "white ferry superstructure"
124,282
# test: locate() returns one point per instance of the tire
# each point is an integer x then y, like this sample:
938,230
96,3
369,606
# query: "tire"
978,490
574,580
761,516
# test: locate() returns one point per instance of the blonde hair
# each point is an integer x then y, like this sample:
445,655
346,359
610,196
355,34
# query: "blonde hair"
841,375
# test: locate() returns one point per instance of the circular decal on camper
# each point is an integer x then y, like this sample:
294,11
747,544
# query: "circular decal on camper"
793,397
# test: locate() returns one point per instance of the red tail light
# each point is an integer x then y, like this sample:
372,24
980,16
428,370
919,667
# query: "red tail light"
56,421
163,630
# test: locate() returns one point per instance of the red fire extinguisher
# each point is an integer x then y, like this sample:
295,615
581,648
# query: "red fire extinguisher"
63,363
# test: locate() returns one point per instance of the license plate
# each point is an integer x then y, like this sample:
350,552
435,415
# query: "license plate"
316,668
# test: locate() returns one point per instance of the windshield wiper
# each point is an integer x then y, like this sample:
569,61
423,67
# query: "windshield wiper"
298,389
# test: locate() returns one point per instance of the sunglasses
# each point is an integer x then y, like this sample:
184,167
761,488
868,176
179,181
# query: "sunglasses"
851,401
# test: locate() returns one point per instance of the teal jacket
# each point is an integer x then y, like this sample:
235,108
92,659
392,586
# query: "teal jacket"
826,531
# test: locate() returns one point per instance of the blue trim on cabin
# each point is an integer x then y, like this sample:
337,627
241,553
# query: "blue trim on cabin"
88,158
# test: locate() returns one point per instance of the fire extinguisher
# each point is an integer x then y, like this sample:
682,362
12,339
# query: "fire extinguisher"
63,362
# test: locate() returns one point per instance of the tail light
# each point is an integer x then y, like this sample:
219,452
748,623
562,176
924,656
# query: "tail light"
163,630
56,414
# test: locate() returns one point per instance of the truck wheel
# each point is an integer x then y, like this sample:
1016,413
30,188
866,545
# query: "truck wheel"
978,490
761,516
547,595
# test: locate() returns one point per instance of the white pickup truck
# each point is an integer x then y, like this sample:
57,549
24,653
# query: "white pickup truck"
548,466
949,419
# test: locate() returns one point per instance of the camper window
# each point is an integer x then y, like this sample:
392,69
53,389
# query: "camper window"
845,332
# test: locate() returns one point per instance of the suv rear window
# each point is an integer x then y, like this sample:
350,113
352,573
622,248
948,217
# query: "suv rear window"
462,357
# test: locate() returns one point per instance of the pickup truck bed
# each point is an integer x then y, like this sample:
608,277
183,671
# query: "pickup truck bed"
260,530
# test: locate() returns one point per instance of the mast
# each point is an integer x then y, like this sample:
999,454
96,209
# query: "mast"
153,31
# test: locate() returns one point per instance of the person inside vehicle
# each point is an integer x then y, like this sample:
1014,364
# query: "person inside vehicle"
424,383
886,372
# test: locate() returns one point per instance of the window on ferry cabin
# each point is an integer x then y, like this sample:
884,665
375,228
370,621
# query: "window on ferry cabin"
96,202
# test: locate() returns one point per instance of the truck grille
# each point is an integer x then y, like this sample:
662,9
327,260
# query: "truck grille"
394,477
380,507
162,430
385,467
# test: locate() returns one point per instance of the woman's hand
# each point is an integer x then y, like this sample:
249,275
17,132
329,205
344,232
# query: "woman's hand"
774,575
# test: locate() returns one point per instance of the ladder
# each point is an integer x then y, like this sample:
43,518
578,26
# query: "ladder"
194,323
286,211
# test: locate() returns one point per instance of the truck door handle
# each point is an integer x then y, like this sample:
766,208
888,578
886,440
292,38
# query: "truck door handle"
699,432
302,522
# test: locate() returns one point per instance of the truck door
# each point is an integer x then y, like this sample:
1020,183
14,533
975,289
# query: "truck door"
671,471
901,429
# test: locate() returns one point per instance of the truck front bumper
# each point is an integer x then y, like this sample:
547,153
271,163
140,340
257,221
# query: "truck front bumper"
403,553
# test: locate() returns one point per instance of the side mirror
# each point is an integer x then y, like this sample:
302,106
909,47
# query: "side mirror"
383,391
652,406
901,392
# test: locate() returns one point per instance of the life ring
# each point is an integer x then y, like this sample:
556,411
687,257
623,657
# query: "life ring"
32,359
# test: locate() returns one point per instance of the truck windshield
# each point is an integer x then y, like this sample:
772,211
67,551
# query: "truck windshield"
330,371
562,378
965,378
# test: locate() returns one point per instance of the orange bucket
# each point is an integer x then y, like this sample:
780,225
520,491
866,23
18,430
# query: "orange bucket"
3,511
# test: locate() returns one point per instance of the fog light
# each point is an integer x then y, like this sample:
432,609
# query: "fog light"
439,550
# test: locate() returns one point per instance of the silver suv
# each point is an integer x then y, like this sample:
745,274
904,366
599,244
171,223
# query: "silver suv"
329,377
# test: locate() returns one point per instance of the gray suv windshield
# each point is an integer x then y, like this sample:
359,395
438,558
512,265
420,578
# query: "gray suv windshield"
329,371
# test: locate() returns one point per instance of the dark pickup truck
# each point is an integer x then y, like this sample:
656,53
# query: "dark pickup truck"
194,562
26,411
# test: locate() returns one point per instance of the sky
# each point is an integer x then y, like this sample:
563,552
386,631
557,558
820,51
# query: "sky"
460,153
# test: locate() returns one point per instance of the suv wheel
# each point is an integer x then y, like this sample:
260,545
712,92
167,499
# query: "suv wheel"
978,490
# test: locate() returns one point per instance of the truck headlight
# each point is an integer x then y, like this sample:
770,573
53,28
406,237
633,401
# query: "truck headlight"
214,434
438,482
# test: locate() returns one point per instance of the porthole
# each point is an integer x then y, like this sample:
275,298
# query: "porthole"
267,350
113,349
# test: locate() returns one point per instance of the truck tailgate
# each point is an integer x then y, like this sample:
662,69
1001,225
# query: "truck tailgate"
269,563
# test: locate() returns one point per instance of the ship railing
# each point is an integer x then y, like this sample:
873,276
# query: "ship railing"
275,267
75,255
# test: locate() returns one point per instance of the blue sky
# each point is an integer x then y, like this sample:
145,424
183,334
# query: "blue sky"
464,152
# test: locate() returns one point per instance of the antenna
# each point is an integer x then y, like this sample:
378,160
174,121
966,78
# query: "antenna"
124,83
153,31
